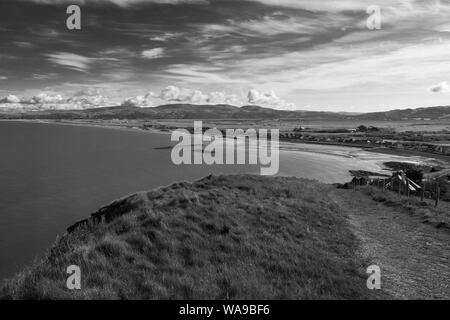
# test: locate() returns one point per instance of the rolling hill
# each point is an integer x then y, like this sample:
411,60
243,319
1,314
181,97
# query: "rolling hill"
203,112
432,113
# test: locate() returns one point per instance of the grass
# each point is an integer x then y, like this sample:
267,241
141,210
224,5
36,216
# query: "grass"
425,211
225,237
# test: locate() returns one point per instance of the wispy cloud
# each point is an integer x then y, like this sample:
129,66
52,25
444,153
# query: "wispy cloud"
49,76
165,36
75,61
24,44
153,53
200,74
71,60
122,3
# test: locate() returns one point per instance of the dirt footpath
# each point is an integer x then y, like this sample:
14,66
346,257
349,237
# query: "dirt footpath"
414,258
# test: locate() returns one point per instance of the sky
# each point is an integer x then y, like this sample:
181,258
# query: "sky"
282,54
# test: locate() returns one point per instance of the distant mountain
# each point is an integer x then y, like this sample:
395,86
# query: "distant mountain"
175,111
432,113
204,112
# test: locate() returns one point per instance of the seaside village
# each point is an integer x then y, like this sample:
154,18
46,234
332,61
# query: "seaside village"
373,137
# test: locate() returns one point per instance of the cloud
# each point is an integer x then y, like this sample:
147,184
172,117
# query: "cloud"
89,97
278,24
121,3
443,27
47,101
442,87
335,67
153,53
393,11
23,44
165,36
318,53
75,61
223,98
351,5
10,99
268,100
71,60
184,95
49,76
89,91
275,26
139,101
174,93
200,74
87,102
44,98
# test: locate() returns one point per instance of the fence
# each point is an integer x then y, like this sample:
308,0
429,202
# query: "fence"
403,186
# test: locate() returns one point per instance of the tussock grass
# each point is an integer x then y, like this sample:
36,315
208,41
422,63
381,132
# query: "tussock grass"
225,237
424,211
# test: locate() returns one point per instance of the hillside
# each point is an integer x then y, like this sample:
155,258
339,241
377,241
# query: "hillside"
203,112
432,113
226,237
173,111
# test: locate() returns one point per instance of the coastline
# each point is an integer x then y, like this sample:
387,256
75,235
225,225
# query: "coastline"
287,145
87,124
374,149
330,153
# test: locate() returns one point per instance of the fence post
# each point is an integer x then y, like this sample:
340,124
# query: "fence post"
438,193
407,187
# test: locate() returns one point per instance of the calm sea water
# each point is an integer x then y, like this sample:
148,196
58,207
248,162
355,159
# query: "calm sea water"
54,175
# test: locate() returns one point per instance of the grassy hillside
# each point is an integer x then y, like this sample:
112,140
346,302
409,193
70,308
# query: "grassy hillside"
226,237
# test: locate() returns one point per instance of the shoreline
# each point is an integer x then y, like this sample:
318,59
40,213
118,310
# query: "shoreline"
374,149
286,145
86,124
292,155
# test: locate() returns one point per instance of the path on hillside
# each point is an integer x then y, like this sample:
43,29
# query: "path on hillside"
414,258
